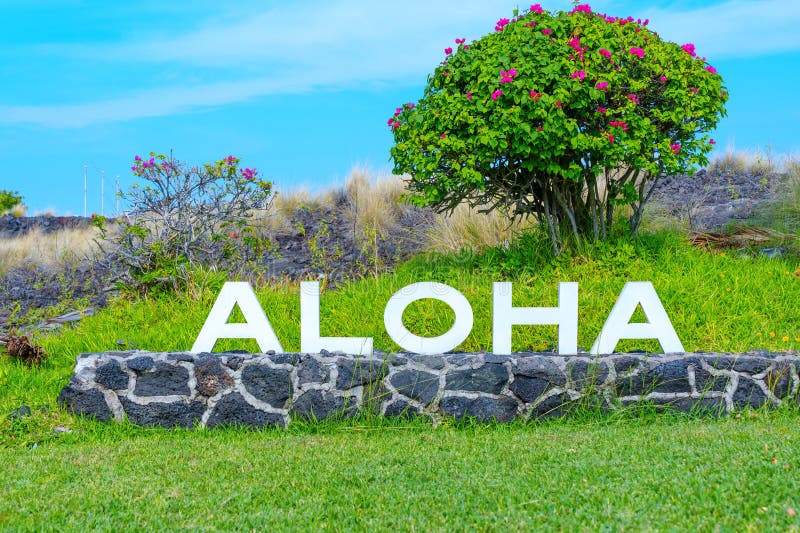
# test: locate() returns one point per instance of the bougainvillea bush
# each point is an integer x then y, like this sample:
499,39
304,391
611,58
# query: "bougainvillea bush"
563,116
188,215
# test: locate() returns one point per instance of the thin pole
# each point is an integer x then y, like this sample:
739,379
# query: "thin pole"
84,190
102,193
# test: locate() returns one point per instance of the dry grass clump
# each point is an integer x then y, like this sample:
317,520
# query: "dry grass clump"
754,162
47,248
468,228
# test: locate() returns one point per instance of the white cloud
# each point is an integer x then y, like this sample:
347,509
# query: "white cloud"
300,46
736,28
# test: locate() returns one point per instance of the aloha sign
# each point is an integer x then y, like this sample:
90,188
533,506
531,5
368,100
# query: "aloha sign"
504,315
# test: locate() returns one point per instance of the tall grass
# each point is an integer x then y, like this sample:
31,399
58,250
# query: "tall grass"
40,248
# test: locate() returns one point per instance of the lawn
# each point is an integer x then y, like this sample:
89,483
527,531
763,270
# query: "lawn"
624,472
629,470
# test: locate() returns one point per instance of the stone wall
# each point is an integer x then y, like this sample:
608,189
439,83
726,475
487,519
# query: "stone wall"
208,390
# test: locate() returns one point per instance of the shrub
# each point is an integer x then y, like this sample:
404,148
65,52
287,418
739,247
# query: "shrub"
561,116
9,200
188,216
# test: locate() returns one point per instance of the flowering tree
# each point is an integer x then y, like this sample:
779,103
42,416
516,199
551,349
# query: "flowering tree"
562,116
188,215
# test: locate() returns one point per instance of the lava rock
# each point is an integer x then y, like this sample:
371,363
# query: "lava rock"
167,415
165,380
484,409
270,385
489,378
111,376
233,410
418,385
85,402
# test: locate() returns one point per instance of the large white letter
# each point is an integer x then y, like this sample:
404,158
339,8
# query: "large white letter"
618,326
565,316
256,324
310,341
393,318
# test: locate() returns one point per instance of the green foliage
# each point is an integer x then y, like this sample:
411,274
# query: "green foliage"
187,217
9,200
562,116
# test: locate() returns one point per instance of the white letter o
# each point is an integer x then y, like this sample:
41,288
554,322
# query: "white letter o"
393,318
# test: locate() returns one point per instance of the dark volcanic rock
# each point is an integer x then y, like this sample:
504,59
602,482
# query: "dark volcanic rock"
111,376
489,378
502,409
355,372
176,414
165,380
233,410
319,405
88,403
418,385
270,385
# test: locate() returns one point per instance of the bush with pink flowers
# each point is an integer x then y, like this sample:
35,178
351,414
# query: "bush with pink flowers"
564,116
184,216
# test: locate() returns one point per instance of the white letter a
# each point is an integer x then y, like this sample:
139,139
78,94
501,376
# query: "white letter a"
256,324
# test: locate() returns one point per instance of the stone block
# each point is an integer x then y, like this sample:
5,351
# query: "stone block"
483,409
270,385
418,385
164,380
233,410
489,378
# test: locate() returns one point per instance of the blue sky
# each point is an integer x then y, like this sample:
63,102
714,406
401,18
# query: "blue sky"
301,90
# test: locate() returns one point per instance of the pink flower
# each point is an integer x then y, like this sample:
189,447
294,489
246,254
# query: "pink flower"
618,124
547,31
605,53
536,8
558,103
469,95
689,49
633,98
662,79
675,148
466,47
531,24
448,50
137,158
601,110
711,69
575,44
578,74
535,95
602,85
395,125
134,168
694,90
582,8
497,94
444,136
507,76
538,128
410,105
610,138
712,142
501,24
646,22
639,52
460,41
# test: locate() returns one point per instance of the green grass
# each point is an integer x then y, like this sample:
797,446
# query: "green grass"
623,473
596,471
